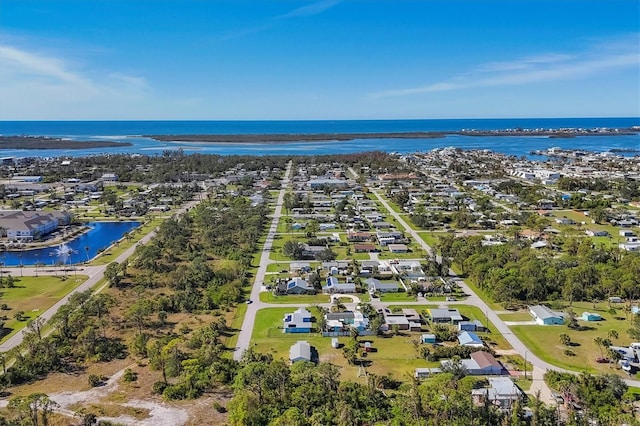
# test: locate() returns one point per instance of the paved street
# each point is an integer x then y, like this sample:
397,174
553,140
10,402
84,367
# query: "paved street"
244,336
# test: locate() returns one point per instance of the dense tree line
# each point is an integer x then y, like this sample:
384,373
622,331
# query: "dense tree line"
515,272
270,392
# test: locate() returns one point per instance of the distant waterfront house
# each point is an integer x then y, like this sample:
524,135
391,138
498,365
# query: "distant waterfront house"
300,351
545,316
29,225
297,322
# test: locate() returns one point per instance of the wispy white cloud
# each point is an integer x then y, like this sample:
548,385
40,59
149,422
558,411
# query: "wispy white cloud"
36,84
300,12
309,10
598,59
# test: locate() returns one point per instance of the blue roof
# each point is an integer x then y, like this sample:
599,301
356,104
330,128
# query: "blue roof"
468,337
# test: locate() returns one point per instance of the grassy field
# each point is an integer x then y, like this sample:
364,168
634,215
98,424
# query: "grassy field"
431,238
516,316
397,297
33,296
395,355
269,297
544,341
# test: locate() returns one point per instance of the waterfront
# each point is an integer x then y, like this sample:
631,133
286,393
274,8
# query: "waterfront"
131,131
82,248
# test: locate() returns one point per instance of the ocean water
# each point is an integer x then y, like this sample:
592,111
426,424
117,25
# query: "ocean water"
134,131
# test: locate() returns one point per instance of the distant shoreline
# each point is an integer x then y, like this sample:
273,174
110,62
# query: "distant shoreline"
44,142
326,137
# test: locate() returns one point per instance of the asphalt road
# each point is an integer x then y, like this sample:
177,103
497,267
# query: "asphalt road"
244,337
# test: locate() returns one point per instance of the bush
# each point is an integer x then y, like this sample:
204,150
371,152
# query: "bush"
94,380
130,375
569,352
219,408
159,387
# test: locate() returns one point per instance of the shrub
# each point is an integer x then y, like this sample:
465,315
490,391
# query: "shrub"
130,375
159,387
569,352
94,380
219,408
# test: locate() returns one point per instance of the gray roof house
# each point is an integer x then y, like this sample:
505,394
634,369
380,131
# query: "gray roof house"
451,316
501,392
300,351
545,316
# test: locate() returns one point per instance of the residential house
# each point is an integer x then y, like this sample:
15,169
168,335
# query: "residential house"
470,326
423,373
502,392
334,286
375,285
480,363
469,338
545,316
300,351
590,316
364,248
596,233
428,338
451,316
295,286
298,321
341,321
398,248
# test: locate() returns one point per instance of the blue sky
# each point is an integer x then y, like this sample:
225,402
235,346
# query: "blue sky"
285,59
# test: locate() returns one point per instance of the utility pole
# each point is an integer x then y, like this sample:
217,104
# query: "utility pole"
525,365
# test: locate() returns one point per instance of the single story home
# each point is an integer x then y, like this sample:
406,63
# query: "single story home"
469,338
297,322
423,373
502,392
470,326
596,233
364,248
428,338
296,286
398,248
545,316
300,351
451,316
481,363
374,285
590,316
334,286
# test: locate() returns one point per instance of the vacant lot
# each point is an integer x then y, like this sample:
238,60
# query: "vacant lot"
544,341
33,296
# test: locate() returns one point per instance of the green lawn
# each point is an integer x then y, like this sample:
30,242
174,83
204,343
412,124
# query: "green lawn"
431,238
33,296
544,341
397,297
269,297
516,316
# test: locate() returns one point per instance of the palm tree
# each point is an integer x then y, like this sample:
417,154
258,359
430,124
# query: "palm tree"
599,341
612,334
